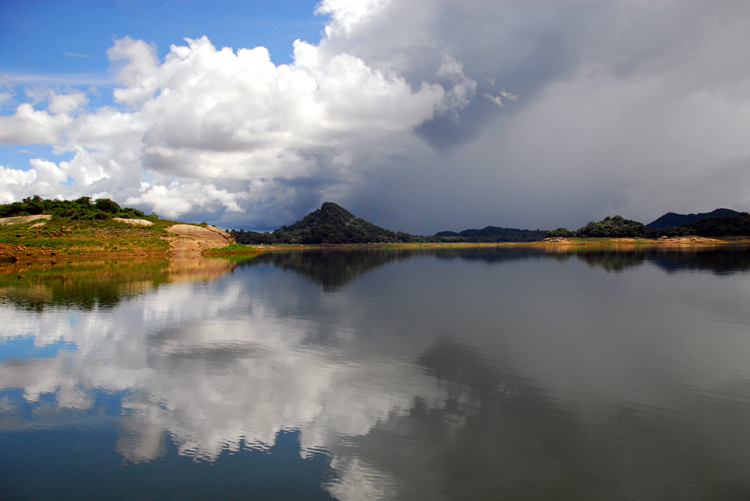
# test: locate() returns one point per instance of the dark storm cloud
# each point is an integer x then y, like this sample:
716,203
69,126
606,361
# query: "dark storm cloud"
623,107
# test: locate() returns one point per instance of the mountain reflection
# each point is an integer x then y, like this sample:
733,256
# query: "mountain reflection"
720,261
104,284
334,269
616,261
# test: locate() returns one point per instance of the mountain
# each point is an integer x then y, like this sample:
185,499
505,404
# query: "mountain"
671,219
331,224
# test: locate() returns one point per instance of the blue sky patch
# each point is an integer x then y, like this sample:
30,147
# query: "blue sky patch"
23,347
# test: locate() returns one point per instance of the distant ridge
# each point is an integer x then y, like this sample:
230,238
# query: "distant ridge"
332,224
671,219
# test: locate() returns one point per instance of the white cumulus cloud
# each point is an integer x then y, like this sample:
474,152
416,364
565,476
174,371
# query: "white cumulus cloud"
207,125
30,126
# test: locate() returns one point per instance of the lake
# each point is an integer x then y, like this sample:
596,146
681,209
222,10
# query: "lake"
484,373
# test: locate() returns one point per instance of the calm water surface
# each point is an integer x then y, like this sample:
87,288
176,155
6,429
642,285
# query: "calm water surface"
475,374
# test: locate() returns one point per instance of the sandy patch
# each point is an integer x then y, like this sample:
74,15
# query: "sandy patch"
138,222
687,241
5,221
193,239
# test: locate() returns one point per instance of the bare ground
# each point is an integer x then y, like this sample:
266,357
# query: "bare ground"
5,221
191,240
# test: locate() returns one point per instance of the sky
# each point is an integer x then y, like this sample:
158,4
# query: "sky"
418,115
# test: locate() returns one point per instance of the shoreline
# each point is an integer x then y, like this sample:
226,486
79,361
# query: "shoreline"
588,243
194,241
123,273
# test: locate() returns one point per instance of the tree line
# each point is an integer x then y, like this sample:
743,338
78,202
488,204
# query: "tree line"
83,208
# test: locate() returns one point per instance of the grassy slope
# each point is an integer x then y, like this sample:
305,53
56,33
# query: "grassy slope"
234,252
64,236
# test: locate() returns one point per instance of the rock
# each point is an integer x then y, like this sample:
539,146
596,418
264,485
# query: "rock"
136,222
193,239
22,219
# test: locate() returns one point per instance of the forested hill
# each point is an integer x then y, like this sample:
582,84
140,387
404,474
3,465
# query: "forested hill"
725,226
331,224
492,234
612,227
671,219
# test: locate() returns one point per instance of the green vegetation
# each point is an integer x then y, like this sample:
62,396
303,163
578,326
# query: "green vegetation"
726,226
234,248
81,209
613,227
560,233
231,250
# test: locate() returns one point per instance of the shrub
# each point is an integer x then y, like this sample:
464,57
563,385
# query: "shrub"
560,233
107,205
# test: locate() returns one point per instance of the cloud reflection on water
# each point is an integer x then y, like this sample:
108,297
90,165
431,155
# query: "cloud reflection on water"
212,367
401,359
